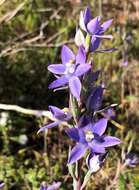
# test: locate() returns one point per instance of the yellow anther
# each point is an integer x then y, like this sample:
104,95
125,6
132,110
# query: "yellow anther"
66,110
71,61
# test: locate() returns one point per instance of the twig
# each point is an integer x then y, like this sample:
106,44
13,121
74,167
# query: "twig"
8,16
14,46
37,113
51,44
30,47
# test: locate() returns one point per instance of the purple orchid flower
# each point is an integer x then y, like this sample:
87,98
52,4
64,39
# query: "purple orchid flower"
90,137
94,28
59,115
95,161
131,160
54,186
72,67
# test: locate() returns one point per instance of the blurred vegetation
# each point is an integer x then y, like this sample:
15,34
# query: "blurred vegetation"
31,35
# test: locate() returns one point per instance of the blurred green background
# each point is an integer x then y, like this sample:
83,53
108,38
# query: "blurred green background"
31,35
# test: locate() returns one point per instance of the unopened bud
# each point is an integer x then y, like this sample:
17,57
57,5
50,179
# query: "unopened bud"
79,38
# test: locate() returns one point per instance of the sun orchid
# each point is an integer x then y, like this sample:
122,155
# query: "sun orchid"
72,67
59,117
94,28
90,137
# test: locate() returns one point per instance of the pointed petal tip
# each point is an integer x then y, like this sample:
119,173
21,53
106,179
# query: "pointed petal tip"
48,126
56,68
66,54
93,25
111,141
61,81
106,24
50,86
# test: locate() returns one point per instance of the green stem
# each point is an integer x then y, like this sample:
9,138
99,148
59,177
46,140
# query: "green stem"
86,179
74,108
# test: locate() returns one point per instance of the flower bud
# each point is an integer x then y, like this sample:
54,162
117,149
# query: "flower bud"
95,161
79,38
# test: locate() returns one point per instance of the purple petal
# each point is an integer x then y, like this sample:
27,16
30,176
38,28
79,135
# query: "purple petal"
55,110
89,127
67,54
77,153
73,133
82,69
57,68
95,42
110,112
54,186
76,134
51,125
100,126
97,148
58,113
81,56
94,101
110,141
87,15
84,120
106,25
93,26
59,82
75,87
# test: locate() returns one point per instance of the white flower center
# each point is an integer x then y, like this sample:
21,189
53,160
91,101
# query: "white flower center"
70,68
89,136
